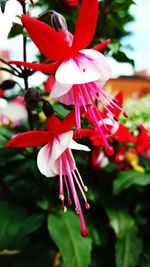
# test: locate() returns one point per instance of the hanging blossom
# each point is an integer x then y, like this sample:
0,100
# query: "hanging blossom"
55,157
80,73
107,121
125,157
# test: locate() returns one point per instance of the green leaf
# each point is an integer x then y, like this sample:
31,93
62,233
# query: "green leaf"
144,260
120,221
60,110
128,249
128,245
122,57
126,179
38,255
65,232
3,4
15,225
15,30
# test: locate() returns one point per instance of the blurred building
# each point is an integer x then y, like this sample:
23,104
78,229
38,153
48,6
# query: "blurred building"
134,86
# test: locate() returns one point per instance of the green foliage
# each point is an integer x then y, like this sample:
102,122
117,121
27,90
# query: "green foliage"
126,179
128,246
36,255
128,249
3,4
15,30
75,250
138,111
15,226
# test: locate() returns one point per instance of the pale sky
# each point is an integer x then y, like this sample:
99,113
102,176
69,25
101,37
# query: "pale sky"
140,40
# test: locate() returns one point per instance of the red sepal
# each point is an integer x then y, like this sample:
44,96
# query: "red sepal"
1,93
82,133
143,140
48,41
86,24
123,135
102,45
49,84
53,124
120,155
49,68
69,121
29,139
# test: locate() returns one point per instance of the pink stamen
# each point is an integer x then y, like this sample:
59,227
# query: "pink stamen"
77,109
107,98
68,192
81,97
79,185
61,187
98,113
75,196
81,181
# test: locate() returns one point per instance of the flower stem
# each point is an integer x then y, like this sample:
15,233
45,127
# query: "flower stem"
25,76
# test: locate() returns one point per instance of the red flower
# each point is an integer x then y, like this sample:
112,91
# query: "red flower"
56,158
107,122
53,46
143,140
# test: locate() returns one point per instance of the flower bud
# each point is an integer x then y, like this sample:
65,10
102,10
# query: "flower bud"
7,84
58,22
31,98
47,108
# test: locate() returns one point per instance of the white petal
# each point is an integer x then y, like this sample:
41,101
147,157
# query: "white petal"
59,89
76,146
67,99
60,144
44,162
110,122
101,62
48,155
88,66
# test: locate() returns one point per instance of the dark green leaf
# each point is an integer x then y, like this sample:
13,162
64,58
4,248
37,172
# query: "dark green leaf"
120,221
128,249
126,179
122,57
128,245
144,260
3,4
38,255
15,225
65,232
15,30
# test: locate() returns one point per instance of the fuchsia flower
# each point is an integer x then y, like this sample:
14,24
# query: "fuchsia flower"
55,157
108,120
80,73
143,142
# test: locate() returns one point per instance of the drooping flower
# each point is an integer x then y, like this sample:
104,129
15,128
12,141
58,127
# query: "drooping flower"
80,73
55,157
85,64
107,122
